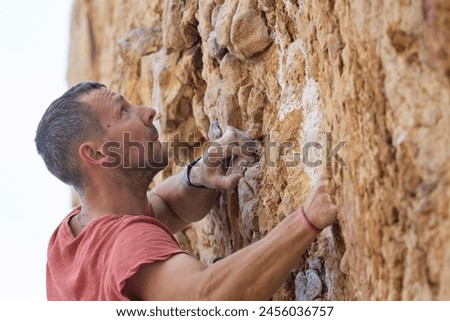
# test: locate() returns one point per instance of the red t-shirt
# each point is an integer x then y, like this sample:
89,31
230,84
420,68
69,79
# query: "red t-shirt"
97,263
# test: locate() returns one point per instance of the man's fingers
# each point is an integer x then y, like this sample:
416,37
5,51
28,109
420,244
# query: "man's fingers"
249,152
321,186
233,142
240,152
233,180
227,182
334,209
233,135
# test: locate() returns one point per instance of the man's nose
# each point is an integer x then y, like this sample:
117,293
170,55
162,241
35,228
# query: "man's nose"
148,115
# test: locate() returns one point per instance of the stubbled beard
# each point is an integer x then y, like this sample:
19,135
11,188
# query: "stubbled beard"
147,168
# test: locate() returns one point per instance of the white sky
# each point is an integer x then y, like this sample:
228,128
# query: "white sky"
33,61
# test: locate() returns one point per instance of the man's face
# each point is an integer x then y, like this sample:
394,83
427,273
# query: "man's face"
130,140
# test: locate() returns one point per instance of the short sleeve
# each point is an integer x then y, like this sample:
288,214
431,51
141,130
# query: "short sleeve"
140,240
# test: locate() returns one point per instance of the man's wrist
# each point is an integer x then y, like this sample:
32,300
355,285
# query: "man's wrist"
307,221
191,174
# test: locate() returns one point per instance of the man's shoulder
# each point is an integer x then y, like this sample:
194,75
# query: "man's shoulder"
129,227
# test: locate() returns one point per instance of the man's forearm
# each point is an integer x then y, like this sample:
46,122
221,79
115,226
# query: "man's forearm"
257,271
189,204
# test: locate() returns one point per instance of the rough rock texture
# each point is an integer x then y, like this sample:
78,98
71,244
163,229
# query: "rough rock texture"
375,74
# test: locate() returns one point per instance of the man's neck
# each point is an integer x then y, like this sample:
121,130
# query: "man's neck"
114,198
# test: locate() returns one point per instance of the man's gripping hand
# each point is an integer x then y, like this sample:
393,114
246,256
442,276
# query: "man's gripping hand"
318,207
211,169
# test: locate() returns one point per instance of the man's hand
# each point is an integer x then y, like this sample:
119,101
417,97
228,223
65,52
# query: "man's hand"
211,170
176,204
318,207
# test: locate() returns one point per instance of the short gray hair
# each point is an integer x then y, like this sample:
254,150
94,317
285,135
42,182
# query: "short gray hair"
63,127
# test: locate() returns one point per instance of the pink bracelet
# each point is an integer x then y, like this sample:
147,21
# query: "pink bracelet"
307,221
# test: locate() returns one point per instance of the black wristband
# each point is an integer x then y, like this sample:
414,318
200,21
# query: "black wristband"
188,174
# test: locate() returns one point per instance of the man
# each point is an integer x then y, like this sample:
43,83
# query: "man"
118,244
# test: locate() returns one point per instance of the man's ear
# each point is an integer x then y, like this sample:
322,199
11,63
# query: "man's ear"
89,153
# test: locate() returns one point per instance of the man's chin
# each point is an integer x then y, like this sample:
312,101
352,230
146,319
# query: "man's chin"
160,163
156,166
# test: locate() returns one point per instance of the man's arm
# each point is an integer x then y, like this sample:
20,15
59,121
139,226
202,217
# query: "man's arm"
176,204
253,273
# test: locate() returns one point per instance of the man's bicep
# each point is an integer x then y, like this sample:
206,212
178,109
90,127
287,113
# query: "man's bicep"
164,213
174,279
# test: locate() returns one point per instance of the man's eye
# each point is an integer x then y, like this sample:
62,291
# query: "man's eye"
123,110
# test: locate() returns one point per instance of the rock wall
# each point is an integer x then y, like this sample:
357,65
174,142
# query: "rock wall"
369,80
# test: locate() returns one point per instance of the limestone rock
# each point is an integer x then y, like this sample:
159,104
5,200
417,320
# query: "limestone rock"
140,42
308,286
370,78
179,25
249,33
241,29
214,49
437,34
